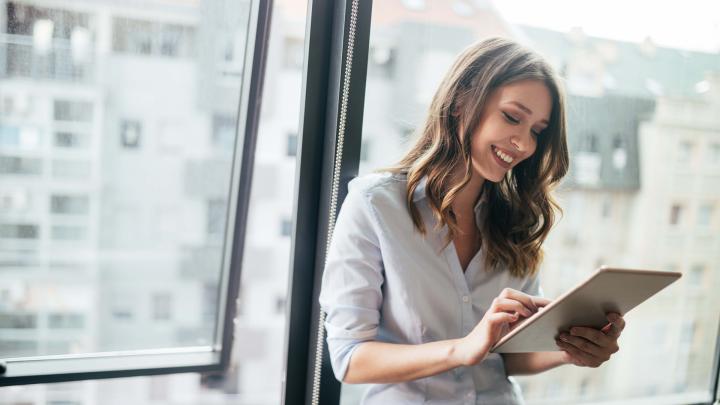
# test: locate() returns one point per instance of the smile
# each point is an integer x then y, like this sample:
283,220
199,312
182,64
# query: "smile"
504,157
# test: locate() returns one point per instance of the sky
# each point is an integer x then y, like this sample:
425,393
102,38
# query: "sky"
687,24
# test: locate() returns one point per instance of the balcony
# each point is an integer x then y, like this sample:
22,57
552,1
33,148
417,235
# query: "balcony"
60,59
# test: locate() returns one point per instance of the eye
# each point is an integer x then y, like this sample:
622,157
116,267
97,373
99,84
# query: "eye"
536,133
511,119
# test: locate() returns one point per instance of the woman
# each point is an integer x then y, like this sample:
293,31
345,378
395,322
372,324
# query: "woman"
434,260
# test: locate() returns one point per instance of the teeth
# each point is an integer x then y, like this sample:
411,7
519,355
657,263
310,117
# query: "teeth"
506,158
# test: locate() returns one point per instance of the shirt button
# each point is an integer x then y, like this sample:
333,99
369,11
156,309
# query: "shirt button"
466,298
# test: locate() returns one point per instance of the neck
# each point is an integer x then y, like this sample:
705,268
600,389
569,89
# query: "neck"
464,203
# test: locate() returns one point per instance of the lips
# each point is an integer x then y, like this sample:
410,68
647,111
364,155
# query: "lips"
503,157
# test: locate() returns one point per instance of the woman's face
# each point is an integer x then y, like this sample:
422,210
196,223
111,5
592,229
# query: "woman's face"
513,118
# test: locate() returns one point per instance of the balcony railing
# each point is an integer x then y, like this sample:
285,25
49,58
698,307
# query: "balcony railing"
21,58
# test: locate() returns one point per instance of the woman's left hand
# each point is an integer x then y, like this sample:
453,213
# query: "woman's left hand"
588,347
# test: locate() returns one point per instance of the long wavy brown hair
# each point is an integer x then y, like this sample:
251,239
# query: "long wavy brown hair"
520,209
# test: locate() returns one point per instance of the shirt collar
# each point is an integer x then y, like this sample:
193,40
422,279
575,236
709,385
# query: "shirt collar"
420,194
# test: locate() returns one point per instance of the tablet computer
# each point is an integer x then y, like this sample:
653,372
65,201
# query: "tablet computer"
607,290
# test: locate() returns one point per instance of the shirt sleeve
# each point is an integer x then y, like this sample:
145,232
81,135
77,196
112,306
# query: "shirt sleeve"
351,294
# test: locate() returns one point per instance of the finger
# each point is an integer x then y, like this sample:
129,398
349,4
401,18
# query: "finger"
616,326
584,357
516,295
502,317
583,345
541,302
507,305
617,320
593,335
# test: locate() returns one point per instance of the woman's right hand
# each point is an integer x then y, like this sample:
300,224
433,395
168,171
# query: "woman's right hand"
505,311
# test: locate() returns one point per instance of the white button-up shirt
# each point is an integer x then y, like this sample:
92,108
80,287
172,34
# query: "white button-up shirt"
385,281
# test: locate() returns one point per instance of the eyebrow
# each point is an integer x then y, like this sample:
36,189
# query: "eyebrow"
527,110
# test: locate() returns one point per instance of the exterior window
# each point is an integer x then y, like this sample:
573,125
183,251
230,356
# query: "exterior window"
153,38
705,214
286,227
66,321
162,306
292,145
19,137
77,111
685,150
20,165
68,232
714,152
70,169
591,143
71,140
223,132
293,55
676,214
130,134
216,214
17,321
696,276
19,231
70,205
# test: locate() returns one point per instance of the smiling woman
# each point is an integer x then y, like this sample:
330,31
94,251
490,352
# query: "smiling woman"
433,260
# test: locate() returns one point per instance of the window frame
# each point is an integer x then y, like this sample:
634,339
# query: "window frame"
321,165
214,357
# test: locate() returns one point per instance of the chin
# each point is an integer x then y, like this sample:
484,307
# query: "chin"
493,177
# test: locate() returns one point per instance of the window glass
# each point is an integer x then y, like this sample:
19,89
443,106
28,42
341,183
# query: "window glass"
642,104
141,162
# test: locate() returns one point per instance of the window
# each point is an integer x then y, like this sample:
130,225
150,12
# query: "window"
685,151
216,216
142,37
131,204
75,169
705,215
286,227
68,232
59,320
591,143
20,165
130,134
714,153
696,276
292,145
19,137
617,128
162,306
17,321
81,217
70,110
67,139
293,55
619,157
223,132
675,214
19,231
69,204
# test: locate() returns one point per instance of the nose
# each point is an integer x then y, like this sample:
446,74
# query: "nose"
523,143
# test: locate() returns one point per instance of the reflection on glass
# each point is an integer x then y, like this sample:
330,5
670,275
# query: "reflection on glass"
117,128
89,177
643,189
